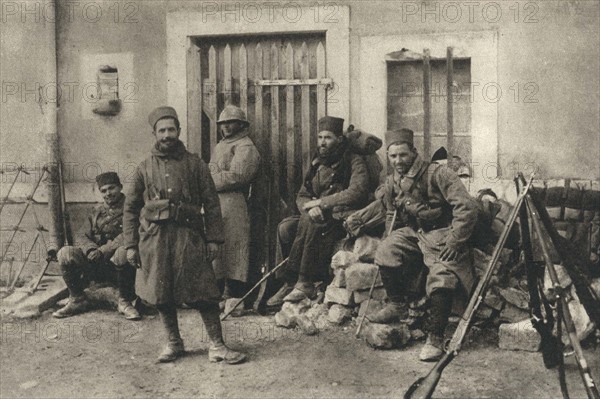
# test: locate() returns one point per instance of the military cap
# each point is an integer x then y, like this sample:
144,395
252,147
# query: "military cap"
399,137
107,178
331,124
160,113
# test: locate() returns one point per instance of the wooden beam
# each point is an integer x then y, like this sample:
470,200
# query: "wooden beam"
213,112
426,105
290,127
194,99
450,101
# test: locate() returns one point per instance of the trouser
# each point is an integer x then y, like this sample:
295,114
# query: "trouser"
78,271
209,312
312,247
406,256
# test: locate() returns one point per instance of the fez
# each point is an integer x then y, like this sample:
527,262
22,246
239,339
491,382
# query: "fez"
399,137
107,178
332,124
160,113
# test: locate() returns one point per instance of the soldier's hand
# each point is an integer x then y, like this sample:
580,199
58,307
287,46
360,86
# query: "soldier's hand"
449,254
316,214
133,257
94,255
212,249
311,204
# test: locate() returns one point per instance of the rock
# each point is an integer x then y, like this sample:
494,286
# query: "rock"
563,279
515,297
484,312
339,279
305,324
287,316
383,336
493,301
230,304
285,319
339,314
583,325
379,294
365,247
374,307
519,336
513,314
343,259
359,276
417,334
343,296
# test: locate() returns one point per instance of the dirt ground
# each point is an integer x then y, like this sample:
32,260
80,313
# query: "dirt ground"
99,354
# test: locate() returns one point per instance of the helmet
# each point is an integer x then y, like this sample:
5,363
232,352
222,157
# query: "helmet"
233,113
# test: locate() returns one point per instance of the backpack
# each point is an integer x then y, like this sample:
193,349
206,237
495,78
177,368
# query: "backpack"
492,215
366,145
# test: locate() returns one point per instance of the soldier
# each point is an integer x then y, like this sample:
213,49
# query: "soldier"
173,229
336,183
234,165
438,216
100,255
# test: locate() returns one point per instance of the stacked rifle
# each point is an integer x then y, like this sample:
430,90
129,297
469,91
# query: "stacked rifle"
531,212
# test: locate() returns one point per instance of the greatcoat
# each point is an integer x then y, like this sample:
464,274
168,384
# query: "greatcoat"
174,267
234,164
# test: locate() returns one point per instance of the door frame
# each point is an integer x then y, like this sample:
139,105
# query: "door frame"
335,22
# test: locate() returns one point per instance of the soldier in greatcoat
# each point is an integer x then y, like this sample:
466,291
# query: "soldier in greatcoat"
336,184
234,164
173,229
437,217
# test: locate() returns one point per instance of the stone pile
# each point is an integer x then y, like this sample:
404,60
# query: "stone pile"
344,300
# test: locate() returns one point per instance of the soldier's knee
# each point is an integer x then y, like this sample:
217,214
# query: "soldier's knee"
69,255
119,259
286,230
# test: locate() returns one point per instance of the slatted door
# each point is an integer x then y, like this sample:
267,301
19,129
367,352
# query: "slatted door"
280,82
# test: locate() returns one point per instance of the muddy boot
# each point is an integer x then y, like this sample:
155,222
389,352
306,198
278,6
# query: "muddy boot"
301,291
391,312
277,299
174,348
76,305
218,351
433,349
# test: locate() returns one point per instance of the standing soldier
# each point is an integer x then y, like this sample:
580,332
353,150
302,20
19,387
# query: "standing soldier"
439,216
234,165
100,255
173,229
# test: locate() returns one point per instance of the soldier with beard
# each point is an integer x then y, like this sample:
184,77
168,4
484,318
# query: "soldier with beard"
336,184
173,229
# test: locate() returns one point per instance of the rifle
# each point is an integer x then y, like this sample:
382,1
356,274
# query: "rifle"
425,386
563,308
264,278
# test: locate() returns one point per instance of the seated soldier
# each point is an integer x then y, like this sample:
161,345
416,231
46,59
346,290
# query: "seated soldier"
336,183
100,255
437,217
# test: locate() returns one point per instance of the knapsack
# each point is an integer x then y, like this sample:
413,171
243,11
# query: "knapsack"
366,145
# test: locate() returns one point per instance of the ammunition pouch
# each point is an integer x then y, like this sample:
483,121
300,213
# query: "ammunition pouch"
157,211
163,211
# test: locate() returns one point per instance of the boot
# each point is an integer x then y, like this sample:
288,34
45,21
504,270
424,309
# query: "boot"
127,309
433,349
392,311
277,299
76,305
174,348
218,351
301,291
